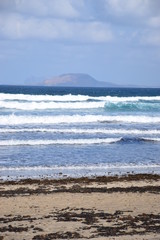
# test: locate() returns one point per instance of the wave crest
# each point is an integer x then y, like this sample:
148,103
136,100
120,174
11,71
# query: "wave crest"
133,106
59,142
67,119
81,131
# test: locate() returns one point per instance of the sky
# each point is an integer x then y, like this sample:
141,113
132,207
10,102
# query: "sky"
116,41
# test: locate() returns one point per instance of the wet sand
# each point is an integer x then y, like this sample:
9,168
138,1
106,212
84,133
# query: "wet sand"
119,207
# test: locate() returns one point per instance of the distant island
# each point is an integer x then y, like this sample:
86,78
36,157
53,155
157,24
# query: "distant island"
75,80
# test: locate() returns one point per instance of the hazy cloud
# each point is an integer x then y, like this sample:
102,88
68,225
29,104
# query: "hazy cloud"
136,19
54,8
130,8
81,21
15,26
127,7
154,22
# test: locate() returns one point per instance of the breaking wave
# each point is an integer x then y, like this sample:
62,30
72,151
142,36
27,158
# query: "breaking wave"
50,105
70,97
80,167
44,102
133,106
108,106
29,119
81,131
75,141
59,142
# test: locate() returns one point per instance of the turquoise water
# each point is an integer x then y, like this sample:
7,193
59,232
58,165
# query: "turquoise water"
51,132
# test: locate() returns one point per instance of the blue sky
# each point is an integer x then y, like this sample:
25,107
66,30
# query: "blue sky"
115,41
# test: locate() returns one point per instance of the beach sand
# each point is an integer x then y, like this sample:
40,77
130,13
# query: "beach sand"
119,207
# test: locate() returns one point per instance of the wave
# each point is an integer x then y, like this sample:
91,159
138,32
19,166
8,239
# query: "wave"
109,106
81,167
141,139
75,141
50,105
150,139
67,119
82,131
70,98
39,98
132,106
59,142
109,103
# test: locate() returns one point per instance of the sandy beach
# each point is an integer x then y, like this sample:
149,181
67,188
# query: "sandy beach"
126,207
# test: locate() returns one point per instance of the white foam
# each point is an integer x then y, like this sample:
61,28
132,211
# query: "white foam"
28,97
50,105
81,167
70,97
82,131
30,119
129,99
59,142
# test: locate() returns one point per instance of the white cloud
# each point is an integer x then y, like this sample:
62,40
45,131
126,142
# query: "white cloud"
154,22
54,8
64,20
14,26
127,7
93,31
139,20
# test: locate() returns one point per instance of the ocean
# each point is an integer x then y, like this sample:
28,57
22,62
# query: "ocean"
71,132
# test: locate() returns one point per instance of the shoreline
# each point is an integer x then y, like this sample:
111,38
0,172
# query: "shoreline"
13,174
108,207
83,179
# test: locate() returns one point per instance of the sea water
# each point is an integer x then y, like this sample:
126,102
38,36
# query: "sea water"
73,132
